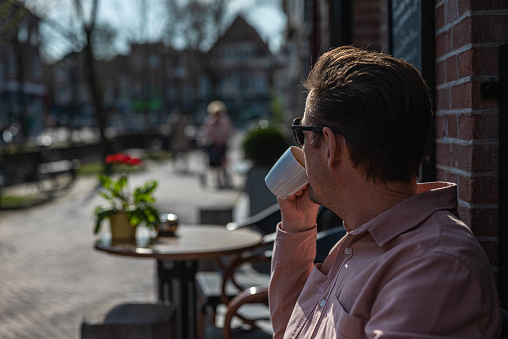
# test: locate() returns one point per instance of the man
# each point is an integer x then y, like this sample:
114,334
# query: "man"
408,267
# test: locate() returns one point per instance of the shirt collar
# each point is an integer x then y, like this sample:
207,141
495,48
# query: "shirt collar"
433,196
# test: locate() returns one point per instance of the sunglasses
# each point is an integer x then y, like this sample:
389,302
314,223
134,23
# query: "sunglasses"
299,129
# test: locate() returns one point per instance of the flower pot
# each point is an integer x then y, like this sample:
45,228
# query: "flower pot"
121,229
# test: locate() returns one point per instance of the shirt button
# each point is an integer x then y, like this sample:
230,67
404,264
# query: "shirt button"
323,302
347,250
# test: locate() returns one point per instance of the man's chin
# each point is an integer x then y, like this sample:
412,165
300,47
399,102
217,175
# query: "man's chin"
312,196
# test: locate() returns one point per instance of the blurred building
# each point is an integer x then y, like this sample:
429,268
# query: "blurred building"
239,70
68,96
22,90
150,82
142,88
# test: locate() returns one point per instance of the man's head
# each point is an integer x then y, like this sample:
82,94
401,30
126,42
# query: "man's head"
380,104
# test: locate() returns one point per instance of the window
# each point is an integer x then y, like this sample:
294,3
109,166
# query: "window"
12,65
239,52
260,82
204,85
36,68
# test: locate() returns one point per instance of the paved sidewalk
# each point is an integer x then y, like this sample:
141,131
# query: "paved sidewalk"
49,272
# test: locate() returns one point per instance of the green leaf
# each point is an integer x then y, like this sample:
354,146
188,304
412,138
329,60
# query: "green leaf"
106,196
135,217
105,180
119,185
100,215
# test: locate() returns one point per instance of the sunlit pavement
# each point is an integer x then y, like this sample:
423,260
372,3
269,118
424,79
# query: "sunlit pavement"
49,272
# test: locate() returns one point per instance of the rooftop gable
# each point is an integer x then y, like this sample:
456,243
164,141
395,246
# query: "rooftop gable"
240,31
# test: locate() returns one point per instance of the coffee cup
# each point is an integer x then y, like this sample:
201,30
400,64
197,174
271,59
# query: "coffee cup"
288,175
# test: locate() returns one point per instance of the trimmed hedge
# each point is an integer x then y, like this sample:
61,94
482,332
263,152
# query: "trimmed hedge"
264,146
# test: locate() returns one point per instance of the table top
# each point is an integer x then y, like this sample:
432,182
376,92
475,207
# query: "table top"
192,242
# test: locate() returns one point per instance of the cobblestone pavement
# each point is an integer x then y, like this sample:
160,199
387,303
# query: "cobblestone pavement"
49,272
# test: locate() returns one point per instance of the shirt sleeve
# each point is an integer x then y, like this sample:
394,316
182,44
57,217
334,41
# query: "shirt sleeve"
436,294
292,262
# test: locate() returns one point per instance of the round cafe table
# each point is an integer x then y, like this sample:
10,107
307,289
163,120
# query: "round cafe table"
177,261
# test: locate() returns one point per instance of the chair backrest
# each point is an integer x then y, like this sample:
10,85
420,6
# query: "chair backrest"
265,222
326,239
327,219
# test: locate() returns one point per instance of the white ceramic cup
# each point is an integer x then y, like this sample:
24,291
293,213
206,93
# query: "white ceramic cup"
288,175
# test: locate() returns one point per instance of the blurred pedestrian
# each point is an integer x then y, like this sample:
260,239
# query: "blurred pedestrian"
215,136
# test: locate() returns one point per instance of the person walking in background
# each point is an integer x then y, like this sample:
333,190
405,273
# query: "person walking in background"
179,143
408,267
217,129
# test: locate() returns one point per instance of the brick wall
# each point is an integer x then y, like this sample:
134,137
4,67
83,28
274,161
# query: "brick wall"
369,24
468,36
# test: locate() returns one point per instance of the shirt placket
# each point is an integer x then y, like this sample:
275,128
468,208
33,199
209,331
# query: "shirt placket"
344,254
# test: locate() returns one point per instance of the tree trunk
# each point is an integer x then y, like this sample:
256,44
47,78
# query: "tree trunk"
100,113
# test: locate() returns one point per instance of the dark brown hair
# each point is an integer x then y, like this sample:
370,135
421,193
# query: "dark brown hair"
380,104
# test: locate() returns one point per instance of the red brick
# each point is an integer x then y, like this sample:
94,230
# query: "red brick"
443,99
451,12
461,33
439,16
452,126
443,154
444,175
485,158
443,44
476,126
452,177
475,159
366,5
491,249
451,68
487,4
461,157
463,7
440,175
465,215
489,28
365,22
461,96
441,127
440,73
485,61
465,63
485,222
482,190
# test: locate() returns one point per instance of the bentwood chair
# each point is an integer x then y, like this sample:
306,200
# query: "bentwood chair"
246,276
258,295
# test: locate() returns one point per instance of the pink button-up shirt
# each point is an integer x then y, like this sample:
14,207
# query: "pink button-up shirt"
414,271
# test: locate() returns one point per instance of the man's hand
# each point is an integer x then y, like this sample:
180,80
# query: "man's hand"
298,212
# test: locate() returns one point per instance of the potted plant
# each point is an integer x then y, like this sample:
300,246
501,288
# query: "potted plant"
125,209
263,146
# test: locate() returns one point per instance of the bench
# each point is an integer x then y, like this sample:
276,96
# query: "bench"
45,176
129,321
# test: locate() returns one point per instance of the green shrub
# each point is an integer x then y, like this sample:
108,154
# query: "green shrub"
264,145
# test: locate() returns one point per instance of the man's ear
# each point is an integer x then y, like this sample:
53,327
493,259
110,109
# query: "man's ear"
333,147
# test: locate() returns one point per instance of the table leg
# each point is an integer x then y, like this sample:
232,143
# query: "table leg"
176,283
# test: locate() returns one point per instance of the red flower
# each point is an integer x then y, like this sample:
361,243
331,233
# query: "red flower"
134,161
120,158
